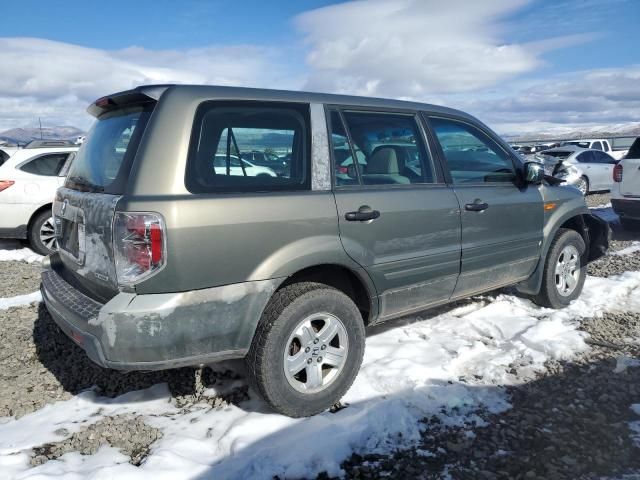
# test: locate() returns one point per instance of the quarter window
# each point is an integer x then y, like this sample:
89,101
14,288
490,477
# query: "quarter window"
596,146
46,165
388,148
249,148
472,157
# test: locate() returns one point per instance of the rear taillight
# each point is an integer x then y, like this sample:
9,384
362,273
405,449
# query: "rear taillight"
139,241
617,173
4,184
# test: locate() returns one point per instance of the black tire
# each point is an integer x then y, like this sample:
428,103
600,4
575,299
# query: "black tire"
265,360
549,295
630,224
35,240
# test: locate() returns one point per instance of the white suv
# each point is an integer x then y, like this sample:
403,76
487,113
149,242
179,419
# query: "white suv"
625,193
28,183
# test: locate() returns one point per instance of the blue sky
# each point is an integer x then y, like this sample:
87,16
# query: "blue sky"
478,56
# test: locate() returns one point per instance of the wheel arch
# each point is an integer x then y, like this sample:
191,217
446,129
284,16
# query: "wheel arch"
355,284
38,211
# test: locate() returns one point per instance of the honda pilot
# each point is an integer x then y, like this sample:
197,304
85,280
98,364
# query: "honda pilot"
175,252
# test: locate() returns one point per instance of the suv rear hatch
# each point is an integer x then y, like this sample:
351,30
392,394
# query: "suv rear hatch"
630,185
85,206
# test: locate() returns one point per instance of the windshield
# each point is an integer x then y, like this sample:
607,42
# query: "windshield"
579,144
111,144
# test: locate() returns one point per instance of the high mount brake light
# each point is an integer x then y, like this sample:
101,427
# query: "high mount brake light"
617,173
139,241
4,184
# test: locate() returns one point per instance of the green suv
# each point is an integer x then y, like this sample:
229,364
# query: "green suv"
174,251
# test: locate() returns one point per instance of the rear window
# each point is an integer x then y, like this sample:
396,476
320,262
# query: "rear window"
249,148
104,159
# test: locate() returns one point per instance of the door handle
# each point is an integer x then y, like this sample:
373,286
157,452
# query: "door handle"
361,216
476,206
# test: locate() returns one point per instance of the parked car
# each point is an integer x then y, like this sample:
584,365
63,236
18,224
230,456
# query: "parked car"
269,160
164,261
625,194
597,144
587,170
28,183
241,167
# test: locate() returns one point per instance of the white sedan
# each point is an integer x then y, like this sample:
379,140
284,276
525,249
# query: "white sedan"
28,183
235,168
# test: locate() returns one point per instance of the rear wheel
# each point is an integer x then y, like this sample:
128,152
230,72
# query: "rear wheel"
42,238
583,185
307,349
565,270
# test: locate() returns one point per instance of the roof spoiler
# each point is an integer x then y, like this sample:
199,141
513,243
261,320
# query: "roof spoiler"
143,94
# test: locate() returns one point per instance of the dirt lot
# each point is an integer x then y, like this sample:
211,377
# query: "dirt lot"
570,423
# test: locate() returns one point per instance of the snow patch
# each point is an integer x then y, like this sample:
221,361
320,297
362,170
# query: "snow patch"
20,300
634,247
449,364
20,255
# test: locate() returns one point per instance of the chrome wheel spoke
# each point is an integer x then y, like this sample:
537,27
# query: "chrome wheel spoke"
333,356
296,363
329,331
314,376
567,270
570,281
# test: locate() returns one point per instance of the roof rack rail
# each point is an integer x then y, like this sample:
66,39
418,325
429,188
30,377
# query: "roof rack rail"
49,143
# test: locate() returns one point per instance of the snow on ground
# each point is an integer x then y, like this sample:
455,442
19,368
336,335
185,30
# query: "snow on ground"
448,365
634,247
11,250
19,300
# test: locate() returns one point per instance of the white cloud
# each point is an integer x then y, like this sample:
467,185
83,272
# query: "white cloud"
416,48
57,80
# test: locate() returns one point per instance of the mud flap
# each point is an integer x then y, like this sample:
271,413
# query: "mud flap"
599,236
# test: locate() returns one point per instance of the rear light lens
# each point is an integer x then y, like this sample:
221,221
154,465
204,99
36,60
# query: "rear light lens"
617,173
140,243
4,184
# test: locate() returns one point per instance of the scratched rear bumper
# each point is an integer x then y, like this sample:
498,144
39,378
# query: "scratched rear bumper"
160,331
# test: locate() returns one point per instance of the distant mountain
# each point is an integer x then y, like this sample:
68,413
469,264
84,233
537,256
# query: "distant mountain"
573,132
25,135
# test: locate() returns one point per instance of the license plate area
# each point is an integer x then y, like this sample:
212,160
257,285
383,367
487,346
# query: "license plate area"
70,231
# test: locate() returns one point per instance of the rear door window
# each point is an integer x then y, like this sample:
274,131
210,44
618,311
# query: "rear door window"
104,160
48,165
388,148
231,142
471,155
596,146
586,157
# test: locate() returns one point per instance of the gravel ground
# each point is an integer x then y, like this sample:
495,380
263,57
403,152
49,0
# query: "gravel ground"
570,423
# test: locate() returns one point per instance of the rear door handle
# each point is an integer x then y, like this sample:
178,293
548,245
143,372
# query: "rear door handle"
476,206
361,216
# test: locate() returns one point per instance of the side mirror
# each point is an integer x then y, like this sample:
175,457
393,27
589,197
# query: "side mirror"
533,173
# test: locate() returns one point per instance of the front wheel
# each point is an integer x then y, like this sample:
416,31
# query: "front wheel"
307,349
565,270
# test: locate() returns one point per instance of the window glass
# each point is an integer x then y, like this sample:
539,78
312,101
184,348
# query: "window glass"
240,148
113,138
472,157
602,157
596,146
344,169
388,148
605,146
47,165
586,157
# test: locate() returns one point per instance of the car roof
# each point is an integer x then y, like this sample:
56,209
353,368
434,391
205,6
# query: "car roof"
263,94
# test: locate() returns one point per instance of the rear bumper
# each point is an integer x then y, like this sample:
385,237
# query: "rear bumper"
626,208
155,332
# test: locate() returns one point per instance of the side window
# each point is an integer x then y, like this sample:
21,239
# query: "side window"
344,169
586,157
67,165
472,157
228,140
46,165
389,150
602,157
597,146
606,146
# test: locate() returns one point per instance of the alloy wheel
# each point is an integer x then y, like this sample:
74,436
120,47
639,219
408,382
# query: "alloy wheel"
48,234
567,272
